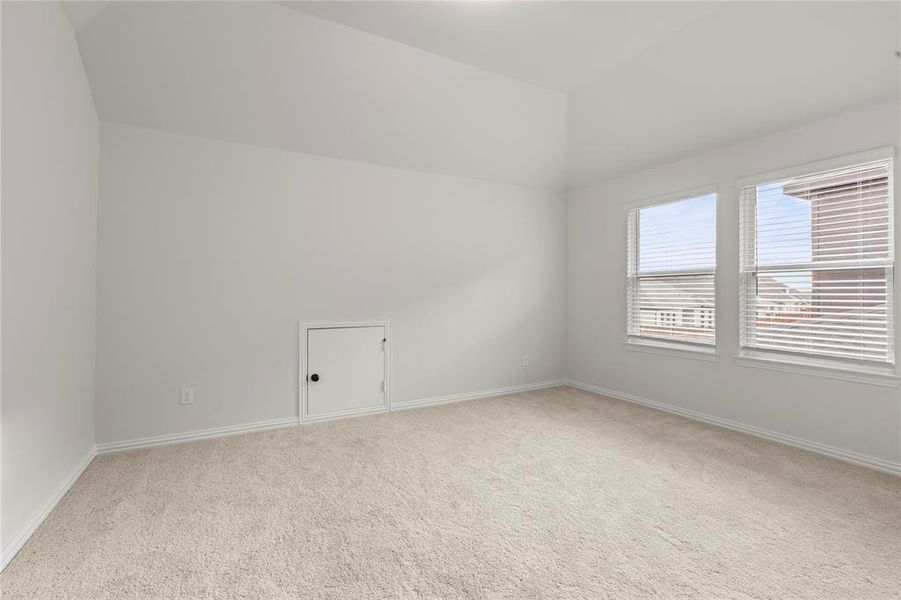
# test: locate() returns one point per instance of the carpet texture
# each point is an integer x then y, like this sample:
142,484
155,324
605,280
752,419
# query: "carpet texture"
549,494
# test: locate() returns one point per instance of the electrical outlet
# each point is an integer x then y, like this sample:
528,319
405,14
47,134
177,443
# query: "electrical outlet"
187,396
525,361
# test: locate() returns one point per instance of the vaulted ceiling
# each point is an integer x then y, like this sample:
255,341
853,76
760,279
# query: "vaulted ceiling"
531,93
561,46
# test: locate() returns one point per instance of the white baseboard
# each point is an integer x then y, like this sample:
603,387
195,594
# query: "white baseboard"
346,414
204,434
863,460
475,395
28,530
190,436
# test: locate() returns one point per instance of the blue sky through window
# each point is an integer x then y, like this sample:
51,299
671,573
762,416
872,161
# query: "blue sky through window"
678,235
682,235
784,233
774,245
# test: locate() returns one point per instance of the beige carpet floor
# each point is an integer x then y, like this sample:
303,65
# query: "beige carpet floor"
550,494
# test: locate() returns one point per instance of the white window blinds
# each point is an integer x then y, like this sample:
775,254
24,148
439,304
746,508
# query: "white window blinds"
671,271
817,257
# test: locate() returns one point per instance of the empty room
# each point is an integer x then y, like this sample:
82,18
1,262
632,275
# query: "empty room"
449,299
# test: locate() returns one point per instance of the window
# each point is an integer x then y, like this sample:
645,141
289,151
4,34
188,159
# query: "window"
671,271
817,258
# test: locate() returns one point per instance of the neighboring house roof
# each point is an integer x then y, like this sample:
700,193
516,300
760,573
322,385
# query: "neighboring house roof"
686,291
790,293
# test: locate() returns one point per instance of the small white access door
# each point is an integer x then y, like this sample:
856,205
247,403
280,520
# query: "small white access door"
346,371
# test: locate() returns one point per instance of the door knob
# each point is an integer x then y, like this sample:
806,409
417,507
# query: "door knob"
314,377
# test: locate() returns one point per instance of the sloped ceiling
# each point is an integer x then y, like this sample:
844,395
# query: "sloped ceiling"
744,70
80,12
562,46
262,74
475,89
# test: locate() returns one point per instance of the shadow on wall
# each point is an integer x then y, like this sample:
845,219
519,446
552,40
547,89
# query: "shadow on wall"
492,326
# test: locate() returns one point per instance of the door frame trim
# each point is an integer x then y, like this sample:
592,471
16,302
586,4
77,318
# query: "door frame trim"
302,383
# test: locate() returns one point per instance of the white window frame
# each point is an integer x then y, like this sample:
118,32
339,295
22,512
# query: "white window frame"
680,349
832,368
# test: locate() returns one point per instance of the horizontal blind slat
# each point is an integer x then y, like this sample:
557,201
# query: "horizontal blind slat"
816,256
671,261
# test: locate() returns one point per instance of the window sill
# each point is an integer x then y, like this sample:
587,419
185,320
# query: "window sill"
882,376
674,349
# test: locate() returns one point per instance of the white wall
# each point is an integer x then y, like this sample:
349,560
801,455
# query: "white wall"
49,236
211,252
264,74
850,416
